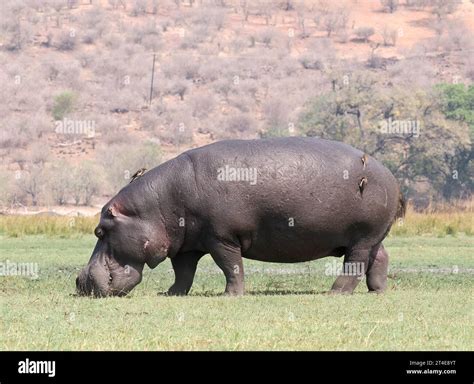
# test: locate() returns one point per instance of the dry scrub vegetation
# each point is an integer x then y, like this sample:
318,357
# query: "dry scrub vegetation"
75,87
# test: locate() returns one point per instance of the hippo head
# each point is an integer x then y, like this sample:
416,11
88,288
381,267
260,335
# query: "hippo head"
127,240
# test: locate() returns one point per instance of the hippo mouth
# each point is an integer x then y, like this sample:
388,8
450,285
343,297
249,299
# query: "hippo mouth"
105,276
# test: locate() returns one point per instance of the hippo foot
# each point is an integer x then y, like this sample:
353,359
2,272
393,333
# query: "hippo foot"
177,291
237,290
338,292
377,291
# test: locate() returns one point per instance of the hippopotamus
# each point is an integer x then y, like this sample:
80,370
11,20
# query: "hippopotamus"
281,200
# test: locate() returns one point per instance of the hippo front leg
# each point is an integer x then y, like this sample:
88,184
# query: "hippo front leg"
354,269
184,266
229,259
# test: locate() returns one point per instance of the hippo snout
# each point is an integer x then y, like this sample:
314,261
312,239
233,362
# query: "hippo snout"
105,276
92,282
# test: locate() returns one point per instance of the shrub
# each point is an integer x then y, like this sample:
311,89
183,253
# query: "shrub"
390,5
30,185
202,104
389,36
122,161
89,36
181,66
149,121
178,88
311,61
364,33
138,8
63,104
276,117
66,41
59,181
266,37
86,183
239,124
7,190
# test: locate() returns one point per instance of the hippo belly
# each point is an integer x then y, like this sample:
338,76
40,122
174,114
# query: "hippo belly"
283,246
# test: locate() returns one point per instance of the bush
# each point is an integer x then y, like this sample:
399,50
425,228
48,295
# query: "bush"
63,104
442,8
59,182
417,4
112,132
332,19
89,36
178,88
389,36
276,117
202,104
181,66
311,61
375,61
390,5
364,33
15,34
138,8
66,41
149,121
122,161
266,37
7,191
86,183
239,125
31,185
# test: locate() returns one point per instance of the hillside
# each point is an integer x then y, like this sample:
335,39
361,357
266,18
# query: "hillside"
77,119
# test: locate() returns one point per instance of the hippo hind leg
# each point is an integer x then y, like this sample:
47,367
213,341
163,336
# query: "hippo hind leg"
354,268
184,266
378,269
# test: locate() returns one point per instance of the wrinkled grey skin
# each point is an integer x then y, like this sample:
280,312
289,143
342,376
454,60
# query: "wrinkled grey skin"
306,203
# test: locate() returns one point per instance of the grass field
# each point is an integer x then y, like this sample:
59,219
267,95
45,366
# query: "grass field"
429,304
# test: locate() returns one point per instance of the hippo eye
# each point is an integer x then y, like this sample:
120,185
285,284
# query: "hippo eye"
99,232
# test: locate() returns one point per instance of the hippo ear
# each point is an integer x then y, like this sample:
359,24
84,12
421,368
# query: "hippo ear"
112,211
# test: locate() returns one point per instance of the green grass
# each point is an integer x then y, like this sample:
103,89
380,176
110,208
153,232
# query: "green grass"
429,304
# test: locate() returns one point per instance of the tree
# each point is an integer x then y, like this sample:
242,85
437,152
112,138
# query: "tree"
178,87
59,183
442,8
122,160
457,103
331,19
7,193
402,128
86,183
31,184
276,118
